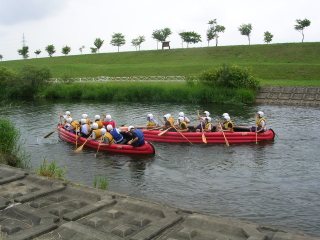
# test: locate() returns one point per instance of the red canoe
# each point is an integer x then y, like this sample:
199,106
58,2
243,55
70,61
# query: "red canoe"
147,148
241,135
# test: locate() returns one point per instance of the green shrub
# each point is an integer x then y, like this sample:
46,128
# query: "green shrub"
103,182
229,77
51,170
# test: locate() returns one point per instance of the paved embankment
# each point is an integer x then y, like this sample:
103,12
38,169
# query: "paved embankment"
289,95
35,207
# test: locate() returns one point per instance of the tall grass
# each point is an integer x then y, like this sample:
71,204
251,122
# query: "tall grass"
100,182
150,91
51,170
11,146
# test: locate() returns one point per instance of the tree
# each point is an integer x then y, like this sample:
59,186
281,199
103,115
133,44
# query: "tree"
66,50
245,29
302,24
214,30
50,50
1,57
190,37
117,40
137,41
267,37
24,52
81,48
94,50
161,35
98,43
37,52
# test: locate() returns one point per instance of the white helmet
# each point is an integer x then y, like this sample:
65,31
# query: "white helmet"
166,116
108,117
69,120
84,115
109,127
209,119
97,117
95,125
181,119
150,116
103,131
169,115
227,118
83,121
225,114
181,114
261,114
207,113
130,127
68,113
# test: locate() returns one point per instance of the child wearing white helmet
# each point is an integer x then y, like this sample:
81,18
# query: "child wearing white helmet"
98,121
183,126
85,116
151,122
226,126
261,123
66,116
85,129
96,133
181,114
107,120
209,127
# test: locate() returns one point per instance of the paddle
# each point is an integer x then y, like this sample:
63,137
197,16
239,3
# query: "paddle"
49,134
204,139
227,143
181,134
256,129
163,132
81,147
98,147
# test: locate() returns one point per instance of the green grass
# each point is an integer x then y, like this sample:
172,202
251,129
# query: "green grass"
51,170
274,64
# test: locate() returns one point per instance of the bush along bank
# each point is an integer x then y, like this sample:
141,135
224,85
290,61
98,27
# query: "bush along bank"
232,85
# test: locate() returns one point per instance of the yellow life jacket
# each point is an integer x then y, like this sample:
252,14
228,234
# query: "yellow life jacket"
98,134
75,125
226,125
65,121
259,122
208,125
88,127
100,124
171,120
110,137
87,121
185,124
150,124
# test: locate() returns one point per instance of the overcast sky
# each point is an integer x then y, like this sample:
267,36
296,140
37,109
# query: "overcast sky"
77,23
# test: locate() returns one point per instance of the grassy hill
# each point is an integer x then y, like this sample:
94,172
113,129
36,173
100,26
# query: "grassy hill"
275,64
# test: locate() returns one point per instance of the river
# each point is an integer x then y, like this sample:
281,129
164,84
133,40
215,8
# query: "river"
273,183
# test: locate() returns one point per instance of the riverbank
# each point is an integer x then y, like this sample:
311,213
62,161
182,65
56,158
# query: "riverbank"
32,206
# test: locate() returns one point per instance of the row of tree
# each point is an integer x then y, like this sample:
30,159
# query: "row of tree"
161,35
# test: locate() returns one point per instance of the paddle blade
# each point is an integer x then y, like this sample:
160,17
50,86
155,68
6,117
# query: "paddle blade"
204,138
163,132
79,148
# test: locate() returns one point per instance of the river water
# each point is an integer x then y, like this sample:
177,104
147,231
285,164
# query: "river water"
273,183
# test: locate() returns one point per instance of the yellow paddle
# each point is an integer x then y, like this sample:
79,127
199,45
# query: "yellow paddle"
163,132
98,146
227,143
49,134
81,147
204,139
256,129
181,134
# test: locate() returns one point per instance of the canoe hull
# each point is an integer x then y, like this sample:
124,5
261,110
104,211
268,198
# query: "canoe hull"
147,148
212,137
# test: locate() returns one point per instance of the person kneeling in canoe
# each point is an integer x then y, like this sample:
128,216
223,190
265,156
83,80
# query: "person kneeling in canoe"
208,127
261,123
98,121
167,123
85,130
72,126
107,137
117,136
96,134
65,117
227,126
137,137
151,122
183,126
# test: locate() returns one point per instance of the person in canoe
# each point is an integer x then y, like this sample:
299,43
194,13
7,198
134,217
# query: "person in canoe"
85,129
167,123
202,120
261,123
96,134
151,122
72,126
181,114
226,126
117,136
137,137
66,116
85,116
98,121
107,120
183,126
209,127
107,137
